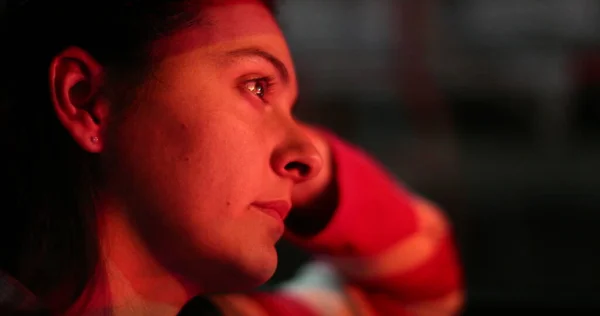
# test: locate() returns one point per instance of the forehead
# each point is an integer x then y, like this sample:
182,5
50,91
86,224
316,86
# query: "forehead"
223,27
225,24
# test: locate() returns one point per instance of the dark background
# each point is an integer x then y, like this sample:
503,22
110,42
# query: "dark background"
488,107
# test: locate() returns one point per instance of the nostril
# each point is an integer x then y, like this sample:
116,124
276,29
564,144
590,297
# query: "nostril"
302,169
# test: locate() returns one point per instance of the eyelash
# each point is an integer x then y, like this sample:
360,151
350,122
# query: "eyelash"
265,90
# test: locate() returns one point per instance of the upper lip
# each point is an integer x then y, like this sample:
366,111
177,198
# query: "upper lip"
282,207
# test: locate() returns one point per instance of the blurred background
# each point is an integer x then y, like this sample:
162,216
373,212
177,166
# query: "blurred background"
490,108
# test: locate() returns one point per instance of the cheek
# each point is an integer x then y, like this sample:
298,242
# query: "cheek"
208,160
225,158
193,149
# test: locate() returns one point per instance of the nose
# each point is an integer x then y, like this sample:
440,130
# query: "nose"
297,159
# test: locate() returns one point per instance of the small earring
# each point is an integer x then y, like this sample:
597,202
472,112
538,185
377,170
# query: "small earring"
94,139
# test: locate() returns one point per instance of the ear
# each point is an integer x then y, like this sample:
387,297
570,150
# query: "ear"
76,85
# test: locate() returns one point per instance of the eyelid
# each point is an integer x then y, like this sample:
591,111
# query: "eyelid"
257,55
267,82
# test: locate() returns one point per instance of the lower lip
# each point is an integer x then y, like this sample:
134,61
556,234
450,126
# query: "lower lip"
275,215
270,212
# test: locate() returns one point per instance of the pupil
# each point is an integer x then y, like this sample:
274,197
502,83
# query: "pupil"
258,89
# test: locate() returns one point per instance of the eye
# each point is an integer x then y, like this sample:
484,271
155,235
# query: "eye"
257,87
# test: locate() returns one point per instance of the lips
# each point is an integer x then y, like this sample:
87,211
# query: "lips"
279,208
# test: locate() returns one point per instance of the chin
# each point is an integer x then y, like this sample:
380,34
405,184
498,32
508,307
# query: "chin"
258,271
245,273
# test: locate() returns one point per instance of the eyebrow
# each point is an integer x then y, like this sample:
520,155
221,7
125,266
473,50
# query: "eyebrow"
257,52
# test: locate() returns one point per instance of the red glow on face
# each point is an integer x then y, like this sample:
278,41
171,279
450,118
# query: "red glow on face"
200,150
219,22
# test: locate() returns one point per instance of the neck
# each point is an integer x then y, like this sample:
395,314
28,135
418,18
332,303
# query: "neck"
113,294
129,279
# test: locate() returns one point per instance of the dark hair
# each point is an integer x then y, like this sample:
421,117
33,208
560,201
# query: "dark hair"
47,231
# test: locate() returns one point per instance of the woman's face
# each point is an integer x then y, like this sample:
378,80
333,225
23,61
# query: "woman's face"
211,135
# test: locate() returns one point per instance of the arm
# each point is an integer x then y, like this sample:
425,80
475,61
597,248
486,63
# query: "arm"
382,249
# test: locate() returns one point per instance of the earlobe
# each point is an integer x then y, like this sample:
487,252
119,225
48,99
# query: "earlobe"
76,82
